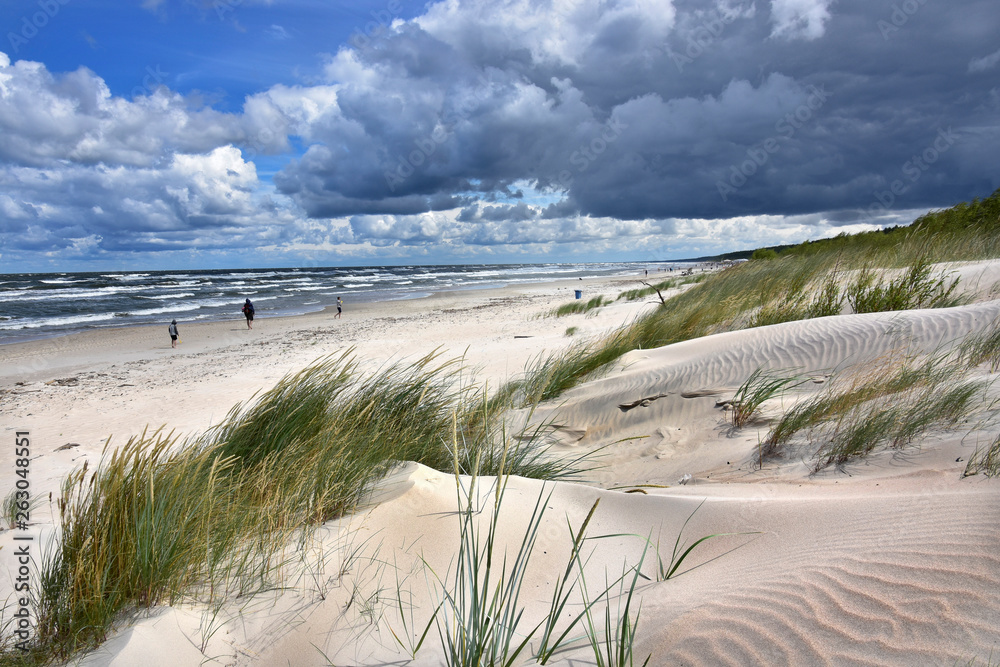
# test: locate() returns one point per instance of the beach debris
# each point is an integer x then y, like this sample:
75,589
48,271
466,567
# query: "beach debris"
65,382
701,393
662,300
636,488
685,478
642,402
563,434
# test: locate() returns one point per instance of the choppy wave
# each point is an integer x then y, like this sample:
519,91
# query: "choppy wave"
165,297
125,276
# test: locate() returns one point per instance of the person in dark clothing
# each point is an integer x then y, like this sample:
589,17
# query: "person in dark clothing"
174,335
248,312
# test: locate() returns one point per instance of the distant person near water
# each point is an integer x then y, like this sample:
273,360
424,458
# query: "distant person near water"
248,312
340,308
174,335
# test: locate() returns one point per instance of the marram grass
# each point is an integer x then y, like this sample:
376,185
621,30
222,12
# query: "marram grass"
983,348
480,618
985,460
161,520
887,404
759,387
578,307
480,613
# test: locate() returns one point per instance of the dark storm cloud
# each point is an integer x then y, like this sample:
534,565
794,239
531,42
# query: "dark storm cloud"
723,110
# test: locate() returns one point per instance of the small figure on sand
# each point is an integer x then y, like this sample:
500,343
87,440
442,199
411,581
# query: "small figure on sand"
248,312
340,308
174,335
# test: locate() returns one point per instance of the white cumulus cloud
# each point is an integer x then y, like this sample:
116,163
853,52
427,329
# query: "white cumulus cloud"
799,19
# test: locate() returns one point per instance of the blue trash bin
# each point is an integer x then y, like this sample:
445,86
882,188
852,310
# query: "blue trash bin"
579,293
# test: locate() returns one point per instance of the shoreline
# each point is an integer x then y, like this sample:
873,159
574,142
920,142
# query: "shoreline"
22,361
211,296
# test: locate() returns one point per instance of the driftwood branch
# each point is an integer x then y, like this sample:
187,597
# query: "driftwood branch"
662,300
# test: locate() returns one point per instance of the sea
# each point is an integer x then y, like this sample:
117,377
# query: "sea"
41,305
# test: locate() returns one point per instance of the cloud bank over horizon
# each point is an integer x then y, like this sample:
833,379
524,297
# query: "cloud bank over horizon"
562,130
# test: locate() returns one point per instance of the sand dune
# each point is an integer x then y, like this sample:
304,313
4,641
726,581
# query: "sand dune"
687,380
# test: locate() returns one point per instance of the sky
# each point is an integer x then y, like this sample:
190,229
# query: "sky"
160,134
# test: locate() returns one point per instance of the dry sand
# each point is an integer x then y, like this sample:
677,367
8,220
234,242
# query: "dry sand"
891,560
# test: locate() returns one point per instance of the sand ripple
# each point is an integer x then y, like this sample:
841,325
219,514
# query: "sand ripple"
925,592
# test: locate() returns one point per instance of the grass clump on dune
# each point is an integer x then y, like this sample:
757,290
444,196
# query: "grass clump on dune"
145,527
16,507
549,375
162,520
983,348
722,302
985,460
758,388
480,614
580,306
613,641
896,422
914,288
889,404
657,288
649,290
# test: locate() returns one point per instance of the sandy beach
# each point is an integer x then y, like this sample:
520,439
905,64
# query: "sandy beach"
888,560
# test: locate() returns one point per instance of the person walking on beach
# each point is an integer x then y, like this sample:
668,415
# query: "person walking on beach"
340,308
248,312
172,330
